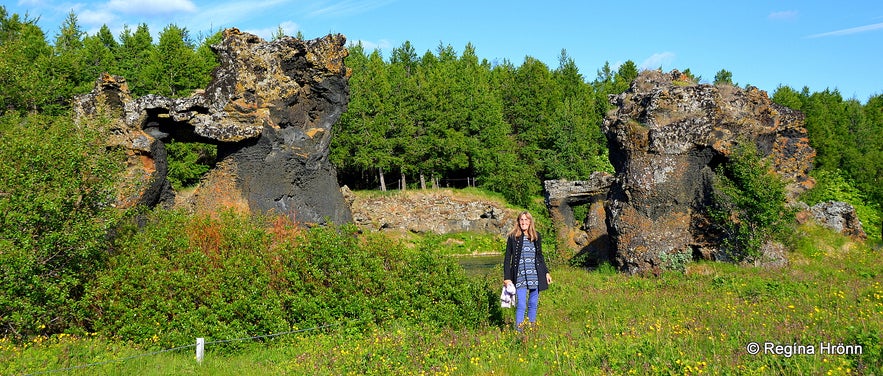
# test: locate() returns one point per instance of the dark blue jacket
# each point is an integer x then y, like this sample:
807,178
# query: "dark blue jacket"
513,254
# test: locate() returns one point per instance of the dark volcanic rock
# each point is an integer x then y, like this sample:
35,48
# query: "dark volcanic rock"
270,108
586,237
666,136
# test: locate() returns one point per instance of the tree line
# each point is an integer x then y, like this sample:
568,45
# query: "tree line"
41,77
453,119
440,118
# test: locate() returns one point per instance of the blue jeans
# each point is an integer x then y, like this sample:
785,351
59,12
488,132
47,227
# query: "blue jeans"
524,302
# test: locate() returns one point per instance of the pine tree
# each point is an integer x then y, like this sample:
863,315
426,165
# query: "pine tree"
577,139
22,46
362,141
723,77
626,73
173,67
133,55
98,55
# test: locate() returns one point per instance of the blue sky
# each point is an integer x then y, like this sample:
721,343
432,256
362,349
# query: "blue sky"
817,44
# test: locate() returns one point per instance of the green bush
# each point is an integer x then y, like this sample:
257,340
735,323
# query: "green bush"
188,162
56,186
749,205
182,277
834,186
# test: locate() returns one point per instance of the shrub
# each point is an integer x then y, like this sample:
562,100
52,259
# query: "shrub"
56,184
183,277
834,186
749,205
232,276
339,275
188,162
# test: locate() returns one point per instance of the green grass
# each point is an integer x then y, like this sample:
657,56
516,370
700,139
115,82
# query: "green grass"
590,322
465,243
463,193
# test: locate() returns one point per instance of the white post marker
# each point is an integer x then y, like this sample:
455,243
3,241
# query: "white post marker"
200,349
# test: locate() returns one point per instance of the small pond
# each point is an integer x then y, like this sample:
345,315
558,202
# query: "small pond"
479,265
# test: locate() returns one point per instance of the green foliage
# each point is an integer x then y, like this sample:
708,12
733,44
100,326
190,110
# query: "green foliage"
848,139
693,79
438,115
749,204
133,55
464,243
56,187
456,117
606,268
97,56
626,73
23,46
67,72
206,60
590,322
788,97
181,277
70,35
834,186
35,76
723,77
675,261
173,68
364,140
188,162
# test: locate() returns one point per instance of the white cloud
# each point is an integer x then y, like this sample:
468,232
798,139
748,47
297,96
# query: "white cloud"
233,14
93,17
369,46
31,3
785,15
348,7
383,45
152,7
854,30
658,60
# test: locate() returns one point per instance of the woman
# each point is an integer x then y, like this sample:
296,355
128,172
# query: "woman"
525,265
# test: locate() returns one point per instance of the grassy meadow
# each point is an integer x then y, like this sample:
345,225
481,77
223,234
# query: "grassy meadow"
703,321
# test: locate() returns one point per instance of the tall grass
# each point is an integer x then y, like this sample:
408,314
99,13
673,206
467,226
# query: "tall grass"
590,322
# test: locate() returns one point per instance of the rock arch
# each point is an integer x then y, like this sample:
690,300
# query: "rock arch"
269,107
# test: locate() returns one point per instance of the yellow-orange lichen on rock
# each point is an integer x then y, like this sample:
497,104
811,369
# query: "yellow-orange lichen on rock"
269,107
666,139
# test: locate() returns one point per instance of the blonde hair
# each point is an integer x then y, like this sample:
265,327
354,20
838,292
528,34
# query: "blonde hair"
531,232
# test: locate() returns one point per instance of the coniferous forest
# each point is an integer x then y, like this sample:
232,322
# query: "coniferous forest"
442,117
439,117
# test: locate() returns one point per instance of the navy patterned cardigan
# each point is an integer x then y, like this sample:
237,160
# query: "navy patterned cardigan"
513,253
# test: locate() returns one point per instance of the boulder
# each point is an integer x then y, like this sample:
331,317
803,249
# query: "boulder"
269,108
840,217
666,136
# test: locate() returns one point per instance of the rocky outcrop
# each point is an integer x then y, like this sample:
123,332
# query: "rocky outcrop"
666,136
431,211
838,216
585,237
269,108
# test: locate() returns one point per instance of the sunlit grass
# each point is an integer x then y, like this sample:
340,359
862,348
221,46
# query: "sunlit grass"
470,193
590,322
